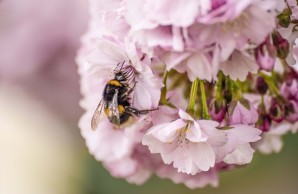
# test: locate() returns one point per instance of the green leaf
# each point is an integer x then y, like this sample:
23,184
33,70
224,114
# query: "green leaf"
245,103
232,107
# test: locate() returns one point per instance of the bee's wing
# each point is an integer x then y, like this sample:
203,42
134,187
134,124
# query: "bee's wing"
97,115
113,107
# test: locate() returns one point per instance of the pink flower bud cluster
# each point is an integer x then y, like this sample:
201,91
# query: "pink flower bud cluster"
213,81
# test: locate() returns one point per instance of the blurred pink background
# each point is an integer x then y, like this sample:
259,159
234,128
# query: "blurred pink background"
40,144
39,40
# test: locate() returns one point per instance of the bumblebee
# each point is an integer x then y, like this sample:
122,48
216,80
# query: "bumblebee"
115,103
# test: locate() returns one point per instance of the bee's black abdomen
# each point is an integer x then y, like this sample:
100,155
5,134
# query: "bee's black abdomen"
124,117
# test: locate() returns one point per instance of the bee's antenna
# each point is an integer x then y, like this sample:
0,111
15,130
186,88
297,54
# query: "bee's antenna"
116,67
119,67
122,65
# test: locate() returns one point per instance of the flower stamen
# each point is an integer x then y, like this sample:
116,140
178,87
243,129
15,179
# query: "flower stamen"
182,134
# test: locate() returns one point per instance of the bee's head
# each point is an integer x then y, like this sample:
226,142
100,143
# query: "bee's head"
119,76
125,73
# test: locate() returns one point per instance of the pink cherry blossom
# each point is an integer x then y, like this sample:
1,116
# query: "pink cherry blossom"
185,46
204,51
178,140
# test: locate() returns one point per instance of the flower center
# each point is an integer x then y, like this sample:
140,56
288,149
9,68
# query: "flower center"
182,134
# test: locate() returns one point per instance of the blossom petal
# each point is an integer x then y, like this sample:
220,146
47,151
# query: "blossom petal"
238,66
241,155
167,132
141,97
195,134
199,66
185,115
244,133
203,155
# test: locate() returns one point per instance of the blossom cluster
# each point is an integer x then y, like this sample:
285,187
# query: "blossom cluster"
219,77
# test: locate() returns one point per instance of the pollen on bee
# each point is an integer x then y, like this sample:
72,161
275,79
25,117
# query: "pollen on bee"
107,111
121,109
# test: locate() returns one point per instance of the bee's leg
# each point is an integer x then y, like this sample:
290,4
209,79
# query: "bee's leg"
132,88
137,112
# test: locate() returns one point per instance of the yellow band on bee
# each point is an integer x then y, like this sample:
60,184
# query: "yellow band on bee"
107,111
114,82
121,109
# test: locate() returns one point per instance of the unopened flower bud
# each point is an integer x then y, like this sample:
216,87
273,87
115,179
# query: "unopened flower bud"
291,111
264,123
289,89
282,45
217,110
276,112
284,18
261,85
242,112
265,55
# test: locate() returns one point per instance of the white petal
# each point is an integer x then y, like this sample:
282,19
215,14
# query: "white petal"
280,129
173,59
195,135
141,97
208,124
167,132
203,155
199,66
239,66
182,160
244,133
178,44
241,155
269,144
185,115
112,51
215,137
